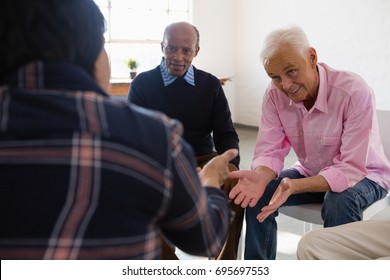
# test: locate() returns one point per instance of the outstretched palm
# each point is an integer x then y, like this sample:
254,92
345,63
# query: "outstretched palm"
249,188
280,196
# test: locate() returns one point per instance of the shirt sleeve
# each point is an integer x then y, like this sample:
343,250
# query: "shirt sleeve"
354,159
198,217
350,164
272,145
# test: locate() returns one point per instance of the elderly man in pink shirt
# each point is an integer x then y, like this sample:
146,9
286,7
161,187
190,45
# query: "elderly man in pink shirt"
328,118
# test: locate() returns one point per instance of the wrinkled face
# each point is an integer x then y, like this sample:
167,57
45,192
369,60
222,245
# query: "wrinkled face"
293,75
179,48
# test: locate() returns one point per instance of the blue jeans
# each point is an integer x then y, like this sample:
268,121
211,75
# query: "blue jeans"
337,209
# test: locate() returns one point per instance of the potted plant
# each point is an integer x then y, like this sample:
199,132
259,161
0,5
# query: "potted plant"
132,64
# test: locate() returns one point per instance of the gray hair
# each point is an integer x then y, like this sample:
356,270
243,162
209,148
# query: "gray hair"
294,37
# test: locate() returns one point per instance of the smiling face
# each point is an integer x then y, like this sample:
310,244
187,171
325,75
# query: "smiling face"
295,76
179,47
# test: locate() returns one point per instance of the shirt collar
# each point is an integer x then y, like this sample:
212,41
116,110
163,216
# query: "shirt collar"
321,103
52,74
189,77
322,98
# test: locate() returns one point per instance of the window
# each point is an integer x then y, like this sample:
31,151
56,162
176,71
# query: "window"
135,29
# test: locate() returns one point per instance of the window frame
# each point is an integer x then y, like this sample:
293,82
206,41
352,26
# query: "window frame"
148,46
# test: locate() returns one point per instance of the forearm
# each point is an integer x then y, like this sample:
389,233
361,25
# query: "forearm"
207,231
266,173
310,184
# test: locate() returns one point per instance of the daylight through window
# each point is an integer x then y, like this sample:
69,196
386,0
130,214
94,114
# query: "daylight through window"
135,29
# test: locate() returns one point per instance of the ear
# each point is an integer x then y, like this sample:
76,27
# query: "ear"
196,51
312,56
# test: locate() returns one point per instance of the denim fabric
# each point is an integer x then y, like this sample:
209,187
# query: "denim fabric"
337,209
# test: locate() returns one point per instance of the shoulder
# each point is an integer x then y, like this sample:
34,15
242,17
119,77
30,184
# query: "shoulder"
204,77
349,86
142,128
343,80
146,76
129,121
155,119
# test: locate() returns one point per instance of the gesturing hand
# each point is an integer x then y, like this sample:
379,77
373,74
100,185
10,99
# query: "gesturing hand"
249,189
216,170
280,196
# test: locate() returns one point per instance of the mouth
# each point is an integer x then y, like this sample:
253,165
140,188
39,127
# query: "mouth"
177,66
292,92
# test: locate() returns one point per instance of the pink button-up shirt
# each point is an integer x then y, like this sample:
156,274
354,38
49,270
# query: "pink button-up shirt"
337,138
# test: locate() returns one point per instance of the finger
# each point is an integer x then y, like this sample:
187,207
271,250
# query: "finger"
230,154
253,202
246,202
234,192
236,174
263,215
239,198
259,217
268,208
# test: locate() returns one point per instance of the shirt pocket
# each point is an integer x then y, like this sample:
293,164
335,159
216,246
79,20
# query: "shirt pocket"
328,147
294,135
329,140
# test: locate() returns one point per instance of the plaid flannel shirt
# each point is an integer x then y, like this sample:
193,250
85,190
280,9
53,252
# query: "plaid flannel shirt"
83,176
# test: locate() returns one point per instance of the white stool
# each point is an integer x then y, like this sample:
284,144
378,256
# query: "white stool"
311,212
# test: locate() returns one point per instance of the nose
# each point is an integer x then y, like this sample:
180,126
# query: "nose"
287,84
178,55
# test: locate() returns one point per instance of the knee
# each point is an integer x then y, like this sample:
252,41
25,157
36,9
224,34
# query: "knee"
306,245
339,208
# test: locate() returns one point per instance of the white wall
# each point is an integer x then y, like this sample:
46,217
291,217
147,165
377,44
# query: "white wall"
215,20
347,34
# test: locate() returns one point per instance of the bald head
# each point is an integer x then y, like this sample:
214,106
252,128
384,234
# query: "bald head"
183,27
180,45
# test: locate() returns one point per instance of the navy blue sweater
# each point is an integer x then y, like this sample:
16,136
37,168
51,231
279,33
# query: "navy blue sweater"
202,109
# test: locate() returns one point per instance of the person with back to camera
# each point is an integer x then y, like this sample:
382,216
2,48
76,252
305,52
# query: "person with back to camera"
75,183
197,100
328,118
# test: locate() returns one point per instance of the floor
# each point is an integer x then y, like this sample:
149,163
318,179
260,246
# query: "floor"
289,230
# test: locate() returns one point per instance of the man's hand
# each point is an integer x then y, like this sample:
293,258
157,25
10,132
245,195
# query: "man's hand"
215,172
282,193
249,189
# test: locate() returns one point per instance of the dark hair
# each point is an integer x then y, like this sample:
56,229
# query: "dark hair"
58,30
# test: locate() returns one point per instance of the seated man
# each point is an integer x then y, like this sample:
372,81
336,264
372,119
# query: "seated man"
196,99
75,182
328,118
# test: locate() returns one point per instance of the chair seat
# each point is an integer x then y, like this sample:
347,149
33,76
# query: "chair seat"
311,212
376,208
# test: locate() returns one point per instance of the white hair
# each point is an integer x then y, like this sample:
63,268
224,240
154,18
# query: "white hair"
293,37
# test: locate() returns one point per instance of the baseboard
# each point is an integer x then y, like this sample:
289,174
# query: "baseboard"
245,126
